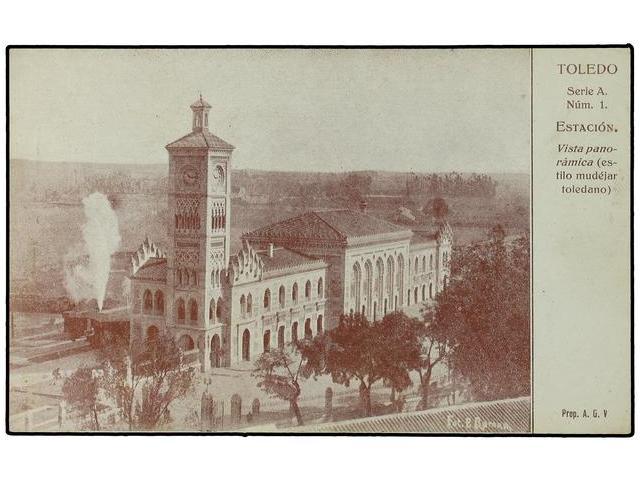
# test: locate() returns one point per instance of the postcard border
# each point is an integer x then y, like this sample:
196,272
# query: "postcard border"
531,47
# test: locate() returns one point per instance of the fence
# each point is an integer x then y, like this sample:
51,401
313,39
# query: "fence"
43,419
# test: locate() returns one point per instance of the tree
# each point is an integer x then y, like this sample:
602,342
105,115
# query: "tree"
436,208
484,315
434,350
279,376
81,390
119,379
143,379
166,378
368,352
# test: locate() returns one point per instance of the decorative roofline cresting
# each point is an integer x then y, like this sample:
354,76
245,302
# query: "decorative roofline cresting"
146,251
246,265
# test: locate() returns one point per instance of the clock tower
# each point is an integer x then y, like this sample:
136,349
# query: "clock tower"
198,252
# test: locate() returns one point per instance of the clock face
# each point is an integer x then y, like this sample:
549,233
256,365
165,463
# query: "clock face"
189,176
218,173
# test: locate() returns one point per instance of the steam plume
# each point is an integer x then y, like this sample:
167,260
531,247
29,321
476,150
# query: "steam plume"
87,279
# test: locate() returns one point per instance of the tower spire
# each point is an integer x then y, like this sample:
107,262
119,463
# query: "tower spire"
200,110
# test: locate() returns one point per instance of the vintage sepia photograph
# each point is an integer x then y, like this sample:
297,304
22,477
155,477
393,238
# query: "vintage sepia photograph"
269,240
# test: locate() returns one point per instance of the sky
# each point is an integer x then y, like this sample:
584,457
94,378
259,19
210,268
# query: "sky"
309,110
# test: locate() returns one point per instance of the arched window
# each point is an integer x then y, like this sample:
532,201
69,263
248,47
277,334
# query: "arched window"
379,279
320,288
220,174
415,295
266,341
246,345
319,325
424,264
356,279
415,267
147,301
281,299
424,292
212,310
409,296
308,333
216,353
186,343
193,310
152,333
294,294
267,299
294,332
243,304
181,311
281,337
249,304
307,290
390,273
431,290
159,302
368,288
219,306
400,278
431,262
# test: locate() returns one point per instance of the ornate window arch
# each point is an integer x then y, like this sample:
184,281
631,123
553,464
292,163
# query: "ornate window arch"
368,286
379,279
193,310
390,274
400,278
294,293
320,288
219,305
159,302
212,310
266,341
181,310
243,305
147,301
356,280
266,303
281,296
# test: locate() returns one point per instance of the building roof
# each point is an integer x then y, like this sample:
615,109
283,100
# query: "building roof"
203,139
499,416
432,232
327,225
153,269
287,261
424,236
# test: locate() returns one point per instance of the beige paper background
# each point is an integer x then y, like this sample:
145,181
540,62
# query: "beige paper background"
581,254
